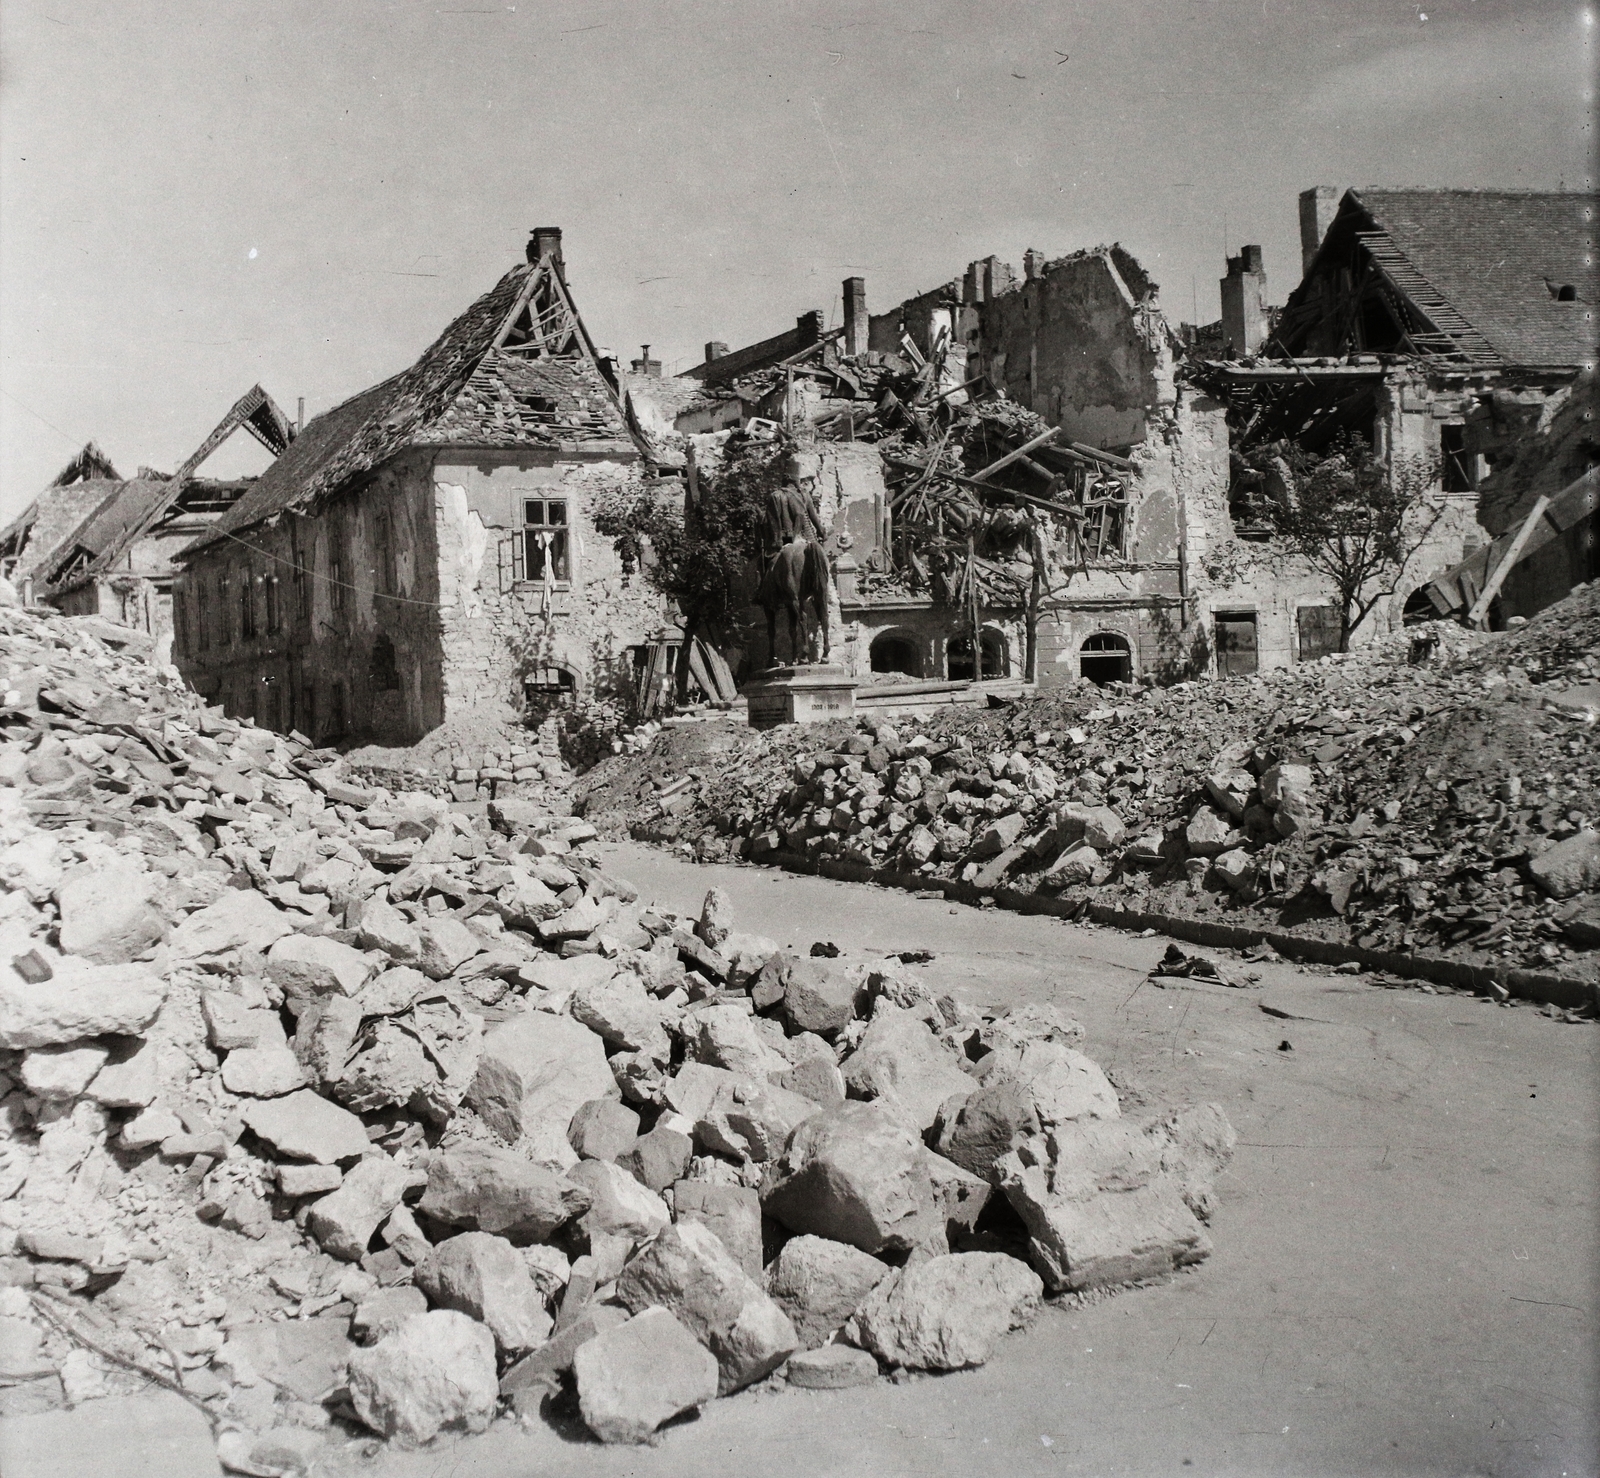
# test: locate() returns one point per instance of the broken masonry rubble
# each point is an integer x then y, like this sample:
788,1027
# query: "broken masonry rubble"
340,1110
1440,800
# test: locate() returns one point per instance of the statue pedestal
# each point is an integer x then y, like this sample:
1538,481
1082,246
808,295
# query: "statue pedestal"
800,695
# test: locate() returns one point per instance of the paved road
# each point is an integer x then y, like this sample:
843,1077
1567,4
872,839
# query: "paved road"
1408,1250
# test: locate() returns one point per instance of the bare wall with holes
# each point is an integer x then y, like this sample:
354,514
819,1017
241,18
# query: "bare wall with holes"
328,621
528,589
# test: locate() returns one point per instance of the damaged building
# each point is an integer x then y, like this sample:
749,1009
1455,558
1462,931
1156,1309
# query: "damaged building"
425,551
1421,319
94,543
1452,326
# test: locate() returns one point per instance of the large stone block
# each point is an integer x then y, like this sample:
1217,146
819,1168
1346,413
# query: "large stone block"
618,1205
1097,1210
733,1212
688,1272
819,996
240,919
380,925
905,1066
344,1220
636,1376
305,966
490,1189
946,1313
486,1278
79,1000
106,913
305,1126
1569,867
436,1371
819,1284
536,1071
622,1011
855,1174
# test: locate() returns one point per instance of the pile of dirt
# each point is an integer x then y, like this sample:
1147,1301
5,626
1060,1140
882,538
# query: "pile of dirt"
1436,792
352,1114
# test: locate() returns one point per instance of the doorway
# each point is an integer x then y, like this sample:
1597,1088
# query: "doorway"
1237,652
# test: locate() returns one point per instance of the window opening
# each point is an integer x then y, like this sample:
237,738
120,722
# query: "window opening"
383,671
274,614
892,653
1318,630
1105,658
1457,462
958,657
544,539
336,585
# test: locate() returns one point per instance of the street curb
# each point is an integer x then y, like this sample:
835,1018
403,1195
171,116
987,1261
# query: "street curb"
1526,985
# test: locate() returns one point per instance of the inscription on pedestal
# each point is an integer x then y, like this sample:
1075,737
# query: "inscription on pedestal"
800,695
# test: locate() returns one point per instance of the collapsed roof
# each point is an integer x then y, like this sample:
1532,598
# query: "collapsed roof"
1471,277
516,369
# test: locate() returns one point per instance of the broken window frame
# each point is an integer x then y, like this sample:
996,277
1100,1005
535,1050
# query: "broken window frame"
529,549
1456,463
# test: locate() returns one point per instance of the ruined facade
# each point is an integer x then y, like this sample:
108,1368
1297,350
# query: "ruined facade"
1452,327
426,550
96,544
1430,325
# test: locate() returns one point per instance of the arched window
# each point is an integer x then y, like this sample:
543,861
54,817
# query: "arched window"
547,688
895,652
1419,608
1105,658
958,657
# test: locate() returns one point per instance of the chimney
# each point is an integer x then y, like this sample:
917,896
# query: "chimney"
1244,309
715,350
1318,206
545,242
645,365
972,284
809,327
997,278
1032,264
855,317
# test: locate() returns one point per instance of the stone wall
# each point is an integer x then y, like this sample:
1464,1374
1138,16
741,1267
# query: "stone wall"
499,630
343,602
1080,345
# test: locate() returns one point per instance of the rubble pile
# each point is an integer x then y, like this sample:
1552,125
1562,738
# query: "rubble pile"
473,759
1436,792
355,1114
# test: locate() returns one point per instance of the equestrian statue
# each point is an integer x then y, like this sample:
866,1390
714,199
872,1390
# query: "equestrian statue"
795,576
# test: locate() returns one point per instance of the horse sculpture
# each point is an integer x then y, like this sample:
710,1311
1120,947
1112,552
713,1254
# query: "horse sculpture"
797,577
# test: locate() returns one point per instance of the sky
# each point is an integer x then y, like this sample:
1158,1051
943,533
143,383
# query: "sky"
199,196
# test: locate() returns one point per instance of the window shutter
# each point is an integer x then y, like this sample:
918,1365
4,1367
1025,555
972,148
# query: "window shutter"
518,556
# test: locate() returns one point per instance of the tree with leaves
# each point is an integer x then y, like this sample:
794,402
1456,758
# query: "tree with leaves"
699,552
1354,517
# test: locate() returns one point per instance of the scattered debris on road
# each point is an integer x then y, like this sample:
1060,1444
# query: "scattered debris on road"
341,1110
1447,807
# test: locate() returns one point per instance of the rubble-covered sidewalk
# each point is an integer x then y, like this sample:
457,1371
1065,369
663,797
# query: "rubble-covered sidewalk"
1433,794
349,1115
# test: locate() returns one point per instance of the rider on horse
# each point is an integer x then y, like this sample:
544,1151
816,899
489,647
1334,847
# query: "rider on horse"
794,568
791,510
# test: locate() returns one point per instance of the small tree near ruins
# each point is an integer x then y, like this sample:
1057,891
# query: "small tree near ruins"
1355,518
